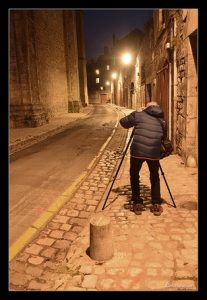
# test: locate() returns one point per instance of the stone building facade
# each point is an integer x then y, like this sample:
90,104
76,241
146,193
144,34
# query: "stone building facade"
167,68
45,62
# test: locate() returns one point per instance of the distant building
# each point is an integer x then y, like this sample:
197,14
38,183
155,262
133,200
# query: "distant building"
102,86
99,78
47,65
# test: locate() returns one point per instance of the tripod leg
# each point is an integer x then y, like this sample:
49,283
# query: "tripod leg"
118,169
167,185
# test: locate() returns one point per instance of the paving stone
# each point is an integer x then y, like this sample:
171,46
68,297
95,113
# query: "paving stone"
57,234
157,284
152,271
63,212
76,280
183,274
74,288
36,285
98,270
79,222
22,257
107,284
18,279
89,281
134,271
36,260
71,236
34,249
73,213
17,266
34,271
60,256
125,283
61,244
91,202
183,284
167,272
84,214
85,269
89,192
45,241
91,208
60,219
51,265
77,229
49,252
53,225
65,227
81,207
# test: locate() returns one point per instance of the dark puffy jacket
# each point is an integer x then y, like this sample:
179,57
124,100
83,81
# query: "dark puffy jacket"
148,132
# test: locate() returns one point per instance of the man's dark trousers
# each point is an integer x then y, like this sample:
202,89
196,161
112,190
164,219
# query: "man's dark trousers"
135,167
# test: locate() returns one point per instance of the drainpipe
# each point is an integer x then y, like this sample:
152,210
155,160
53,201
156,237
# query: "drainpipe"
170,81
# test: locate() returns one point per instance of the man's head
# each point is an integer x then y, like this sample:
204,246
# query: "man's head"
152,103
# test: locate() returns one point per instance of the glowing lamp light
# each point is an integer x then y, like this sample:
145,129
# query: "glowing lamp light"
114,75
126,58
107,83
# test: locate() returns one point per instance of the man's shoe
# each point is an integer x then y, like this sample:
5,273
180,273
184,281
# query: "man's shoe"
156,209
138,208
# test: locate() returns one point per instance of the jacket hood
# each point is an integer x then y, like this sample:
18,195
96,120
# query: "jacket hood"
154,111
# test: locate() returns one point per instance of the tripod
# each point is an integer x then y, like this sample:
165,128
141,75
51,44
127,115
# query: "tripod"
120,167
167,185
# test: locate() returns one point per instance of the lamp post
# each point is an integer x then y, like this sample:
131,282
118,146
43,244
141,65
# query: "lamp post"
126,61
114,77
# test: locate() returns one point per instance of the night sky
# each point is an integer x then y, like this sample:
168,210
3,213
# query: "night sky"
99,26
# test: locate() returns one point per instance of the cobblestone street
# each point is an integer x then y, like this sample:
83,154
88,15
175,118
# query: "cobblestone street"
150,252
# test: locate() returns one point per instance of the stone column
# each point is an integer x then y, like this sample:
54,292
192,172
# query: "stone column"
191,110
71,51
81,59
101,241
25,107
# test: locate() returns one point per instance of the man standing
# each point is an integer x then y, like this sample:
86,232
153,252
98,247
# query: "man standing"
146,145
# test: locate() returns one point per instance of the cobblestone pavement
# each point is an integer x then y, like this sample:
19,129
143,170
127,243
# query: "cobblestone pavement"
150,252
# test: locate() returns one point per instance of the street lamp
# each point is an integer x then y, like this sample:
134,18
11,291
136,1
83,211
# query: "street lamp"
126,58
114,75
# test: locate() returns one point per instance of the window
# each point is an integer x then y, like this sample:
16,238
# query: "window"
97,71
97,80
107,67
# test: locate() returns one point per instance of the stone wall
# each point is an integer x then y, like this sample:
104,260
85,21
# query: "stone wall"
44,68
186,102
49,36
81,59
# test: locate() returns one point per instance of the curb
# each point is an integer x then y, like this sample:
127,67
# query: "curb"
16,147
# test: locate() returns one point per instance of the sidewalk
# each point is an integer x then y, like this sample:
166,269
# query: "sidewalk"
21,138
150,252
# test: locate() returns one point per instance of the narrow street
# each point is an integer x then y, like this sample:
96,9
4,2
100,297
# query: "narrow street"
41,173
94,97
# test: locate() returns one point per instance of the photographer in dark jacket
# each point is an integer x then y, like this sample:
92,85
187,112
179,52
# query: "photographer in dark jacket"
146,145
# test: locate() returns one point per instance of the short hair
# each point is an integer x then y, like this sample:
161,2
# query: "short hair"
152,103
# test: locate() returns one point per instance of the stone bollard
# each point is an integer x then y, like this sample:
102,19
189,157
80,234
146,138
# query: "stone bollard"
101,241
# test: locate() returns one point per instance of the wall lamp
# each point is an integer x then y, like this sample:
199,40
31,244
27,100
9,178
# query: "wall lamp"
168,49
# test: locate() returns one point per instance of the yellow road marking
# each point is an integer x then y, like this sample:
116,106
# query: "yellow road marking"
21,242
28,234
42,219
57,203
